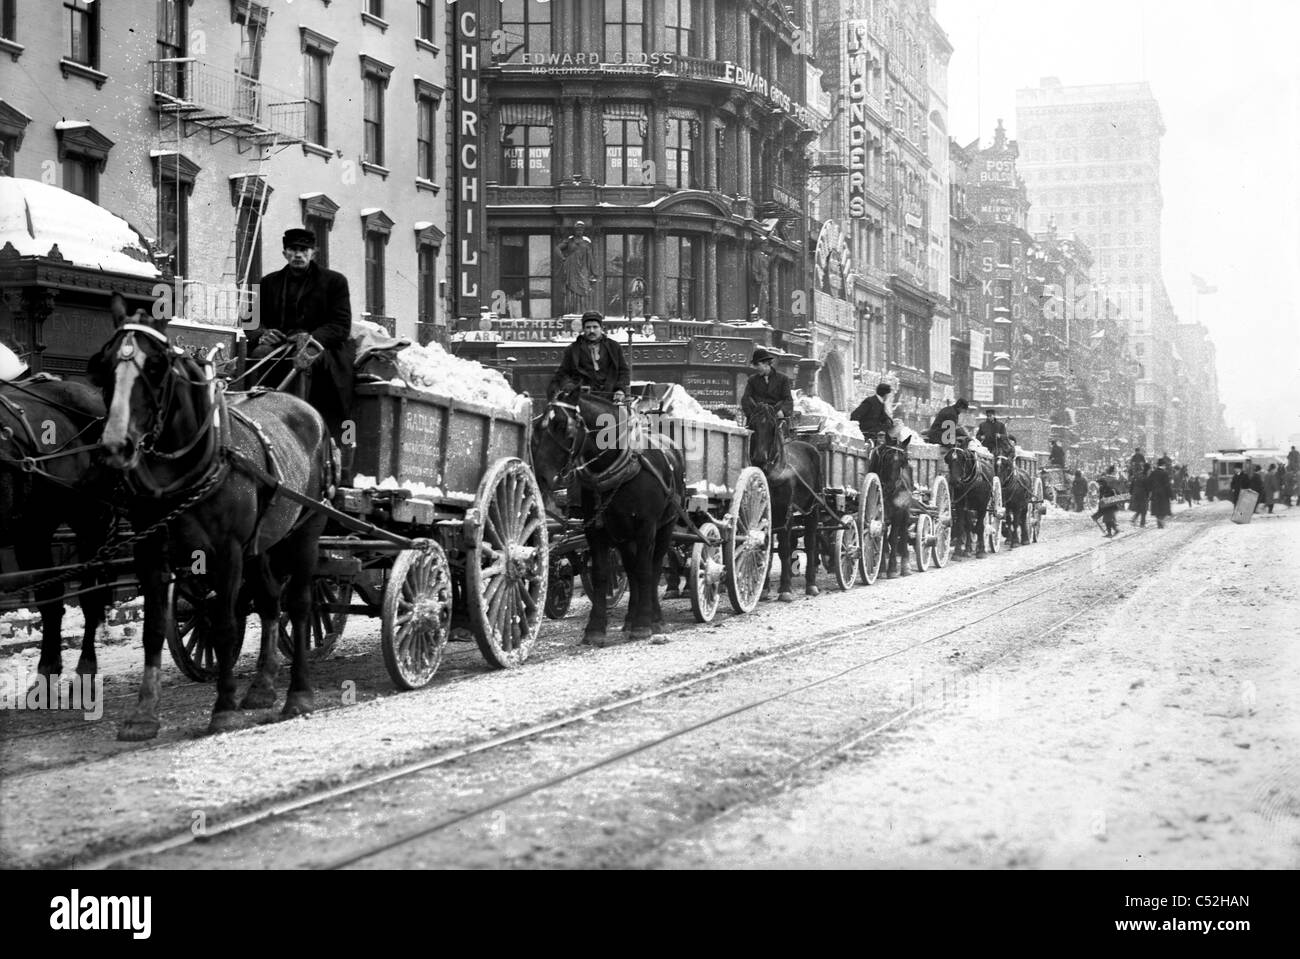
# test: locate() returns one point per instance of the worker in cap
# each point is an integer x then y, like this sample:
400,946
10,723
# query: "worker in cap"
593,361
767,387
301,301
873,415
991,431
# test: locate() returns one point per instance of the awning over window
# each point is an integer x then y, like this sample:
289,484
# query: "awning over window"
527,115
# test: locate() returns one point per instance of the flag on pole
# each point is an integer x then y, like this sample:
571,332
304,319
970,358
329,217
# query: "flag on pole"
1202,287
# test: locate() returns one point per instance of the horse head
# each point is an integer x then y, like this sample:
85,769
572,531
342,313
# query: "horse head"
558,436
890,461
766,447
154,394
962,465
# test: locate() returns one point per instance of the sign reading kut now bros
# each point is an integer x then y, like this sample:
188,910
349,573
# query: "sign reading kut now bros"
469,196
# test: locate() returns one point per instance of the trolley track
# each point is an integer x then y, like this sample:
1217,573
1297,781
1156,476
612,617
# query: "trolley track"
316,797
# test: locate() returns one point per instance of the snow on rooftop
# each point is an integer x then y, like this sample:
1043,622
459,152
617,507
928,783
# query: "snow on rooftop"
71,124
34,217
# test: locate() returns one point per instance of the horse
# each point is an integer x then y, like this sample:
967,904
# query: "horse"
794,472
208,481
889,462
50,475
1017,493
631,493
970,477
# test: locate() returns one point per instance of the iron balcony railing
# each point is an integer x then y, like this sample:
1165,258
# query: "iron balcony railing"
227,99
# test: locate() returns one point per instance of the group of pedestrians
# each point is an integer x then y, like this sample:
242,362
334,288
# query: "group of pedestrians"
1271,485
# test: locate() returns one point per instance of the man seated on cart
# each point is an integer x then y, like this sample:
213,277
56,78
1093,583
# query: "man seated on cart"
767,387
308,305
593,362
991,432
946,430
873,416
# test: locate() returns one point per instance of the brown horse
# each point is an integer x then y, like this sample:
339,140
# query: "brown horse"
970,477
1017,494
889,462
192,462
793,470
50,475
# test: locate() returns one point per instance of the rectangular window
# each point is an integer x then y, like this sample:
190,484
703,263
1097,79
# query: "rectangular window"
526,274
375,8
526,25
624,31
7,19
374,120
248,68
375,274
680,153
424,18
428,286
678,35
8,149
624,151
679,271
320,228
248,242
314,63
81,31
625,270
426,146
174,223
81,176
171,46
525,155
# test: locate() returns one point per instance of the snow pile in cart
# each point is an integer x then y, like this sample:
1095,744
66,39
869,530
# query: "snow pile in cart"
432,369
422,490
833,421
680,404
35,217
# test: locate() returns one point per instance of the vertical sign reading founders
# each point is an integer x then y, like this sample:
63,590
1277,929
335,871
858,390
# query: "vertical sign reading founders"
857,51
469,196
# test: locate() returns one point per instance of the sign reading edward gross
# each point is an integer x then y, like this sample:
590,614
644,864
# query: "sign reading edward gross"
469,197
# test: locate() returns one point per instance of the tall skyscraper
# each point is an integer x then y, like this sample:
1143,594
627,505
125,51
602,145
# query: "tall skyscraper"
1090,159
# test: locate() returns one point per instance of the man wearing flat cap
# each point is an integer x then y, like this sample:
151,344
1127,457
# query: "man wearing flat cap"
593,361
990,430
872,414
305,300
767,387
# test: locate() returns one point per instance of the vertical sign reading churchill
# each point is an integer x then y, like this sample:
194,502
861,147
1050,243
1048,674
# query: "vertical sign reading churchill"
469,198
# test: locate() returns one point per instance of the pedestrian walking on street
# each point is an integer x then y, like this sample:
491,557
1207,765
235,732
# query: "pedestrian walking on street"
1136,462
1187,482
1108,486
1212,487
1293,460
1138,496
1255,480
1195,484
1161,493
1240,481
1056,456
1271,486
1079,489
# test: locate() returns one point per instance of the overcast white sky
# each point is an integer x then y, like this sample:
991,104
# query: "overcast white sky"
1227,77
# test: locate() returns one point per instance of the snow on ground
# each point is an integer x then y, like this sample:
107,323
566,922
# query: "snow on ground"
1163,732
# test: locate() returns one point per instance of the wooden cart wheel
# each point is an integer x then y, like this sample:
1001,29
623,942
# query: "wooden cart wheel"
923,545
747,539
941,500
188,639
993,518
1036,520
507,554
704,575
416,616
617,584
846,553
559,590
871,525
326,624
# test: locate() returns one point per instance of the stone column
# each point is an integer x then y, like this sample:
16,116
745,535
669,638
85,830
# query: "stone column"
708,33
566,138
656,267
744,176
707,153
709,283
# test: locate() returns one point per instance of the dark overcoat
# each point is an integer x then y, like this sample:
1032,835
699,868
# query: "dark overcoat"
988,433
323,308
871,417
1138,493
1161,493
577,368
773,391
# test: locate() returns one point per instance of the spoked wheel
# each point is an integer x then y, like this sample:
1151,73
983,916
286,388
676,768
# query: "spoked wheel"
506,561
330,599
924,541
416,616
559,589
617,584
747,539
846,553
941,500
1036,519
190,640
704,576
871,525
993,518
